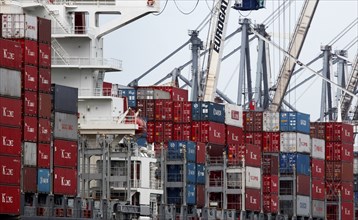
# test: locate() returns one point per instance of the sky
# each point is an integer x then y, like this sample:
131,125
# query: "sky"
145,42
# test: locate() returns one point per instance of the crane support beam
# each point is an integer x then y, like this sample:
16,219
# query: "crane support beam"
294,50
352,86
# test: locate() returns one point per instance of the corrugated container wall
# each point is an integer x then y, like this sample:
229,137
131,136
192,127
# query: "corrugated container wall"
29,51
44,55
148,93
44,30
43,155
29,173
65,99
10,170
253,121
10,202
11,141
65,153
10,56
65,126
30,154
182,111
44,80
131,95
271,121
234,115
300,161
10,83
43,181
295,121
10,112
253,177
19,26
65,181
318,148
208,111
30,129
30,78
318,208
176,149
295,142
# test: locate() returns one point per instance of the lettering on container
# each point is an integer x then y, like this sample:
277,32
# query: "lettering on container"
235,115
273,203
8,55
65,182
253,200
347,211
191,194
44,180
303,122
30,27
220,26
67,127
318,169
29,129
30,78
201,173
217,134
347,133
234,137
318,190
65,155
347,192
44,130
43,80
7,142
253,156
29,103
318,148
8,113
303,205
217,112
302,143
30,52
44,156
274,184
6,199
7,171
191,172
319,208
347,153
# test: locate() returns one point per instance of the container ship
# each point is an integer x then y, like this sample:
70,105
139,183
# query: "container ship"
76,147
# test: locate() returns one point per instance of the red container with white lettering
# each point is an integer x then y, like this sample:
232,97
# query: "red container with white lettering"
29,179
337,131
207,131
65,181
163,110
270,164
65,153
45,105
271,142
254,138
30,78
44,55
339,151
318,168
303,185
44,130
30,103
270,184
10,142
252,155
234,135
147,108
347,191
43,155
270,203
181,132
10,54
29,51
252,199
10,200
10,114
30,129
10,170
200,153
44,80
182,111
347,210
163,131
318,189
150,131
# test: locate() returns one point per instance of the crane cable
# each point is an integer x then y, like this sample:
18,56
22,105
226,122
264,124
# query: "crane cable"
343,32
165,6
186,13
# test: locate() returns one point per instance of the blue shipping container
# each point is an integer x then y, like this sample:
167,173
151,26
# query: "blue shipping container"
142,142
175,149
174,195
301,162
200,170
295,121
43,180
191,194
356,197
131,95
191,173
208,111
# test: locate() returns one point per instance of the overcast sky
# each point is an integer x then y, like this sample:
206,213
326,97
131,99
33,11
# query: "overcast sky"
145,42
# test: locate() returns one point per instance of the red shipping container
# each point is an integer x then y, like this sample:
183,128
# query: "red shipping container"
146,108
253,155
270,203
347,191
10,112
339,151
200,196
215,151
347,210
181,132
318,130
163,131
65,153
163,110
234,135
303,185
10,143
10,54
44,30
45,105
44,55
234,202
44,80
158,148
200,153
150,131
212,132
44,130
29,179
270,184
10,200
43,155
253,138
30,129
195,131
30,78
252,199
30,103
271,142
107,89
182,111
318,168
337,131
339,171
65,181
318,189
235,153
253,121
29,51
270,164
10,170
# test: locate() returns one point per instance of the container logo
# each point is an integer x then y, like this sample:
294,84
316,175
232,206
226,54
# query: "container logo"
44,81
318,208
7,171
191,194
318,169
302,143
67,127
318,148
318,190
234,137
253,200
29,129
30,78
8,113
65,182
200,173
347,211
253,156
44,180
29,103
217,134
217,112
303,205
235,115
6,199
8,55
44,55
7,142
347,153
303,122
191,172
65,155
347,192
44,156
347,133
30,52
44,130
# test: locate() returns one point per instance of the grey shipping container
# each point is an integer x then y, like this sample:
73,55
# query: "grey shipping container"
30,154
147,93
10,83
318,208
65,126
65,99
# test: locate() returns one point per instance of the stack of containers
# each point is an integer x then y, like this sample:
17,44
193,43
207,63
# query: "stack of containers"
355,183
65,140
253,127
295,162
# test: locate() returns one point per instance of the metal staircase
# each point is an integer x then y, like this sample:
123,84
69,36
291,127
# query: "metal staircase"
60,51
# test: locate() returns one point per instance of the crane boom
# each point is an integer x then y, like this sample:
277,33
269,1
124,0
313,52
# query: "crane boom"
294,50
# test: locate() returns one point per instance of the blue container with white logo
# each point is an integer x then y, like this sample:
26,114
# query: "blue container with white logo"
208,111
131,95
175,150
174,195
190,194
200,173
43,180
191,173
300,161
295,121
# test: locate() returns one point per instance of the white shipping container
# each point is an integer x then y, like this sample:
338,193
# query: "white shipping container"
234,115
355,166
19,26
253,177
271,121
10,83
147,93
318,208
65,126
30,154
303,206
318,148
295,142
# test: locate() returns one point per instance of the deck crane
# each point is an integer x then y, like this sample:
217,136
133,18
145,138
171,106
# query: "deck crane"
294,49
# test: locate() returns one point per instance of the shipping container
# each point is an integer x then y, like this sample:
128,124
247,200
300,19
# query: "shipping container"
252,155
190,194
10,56
43,181
182,131
270,184
10,82
208,111
10,170
355,165
271,121
233,202
30,129
303,185
253,121
150,131
234,135
347,210
175,173
339,171
303,206
207,131
318,209
29,50
10,200
65,153
318,168
10,112
44,80
146,109
338,131
30,78
163,110
200,196
176,149
318,130
65,99
30,103
252,199
271,142
65,126
295,142
200,152
182,111
10,143
44,135
347,193
30,154
130,94
270,164
300,161
270,203
43,155
149,93
200,170
65,181
44,30
336,151
318,148
253,177
254,138
44,55
19,26
45,105
295,121
175,94
29,173
163,131
234,115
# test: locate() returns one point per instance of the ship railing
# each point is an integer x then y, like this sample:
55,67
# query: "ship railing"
79,2
215,160
234,184
83,61
77,30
